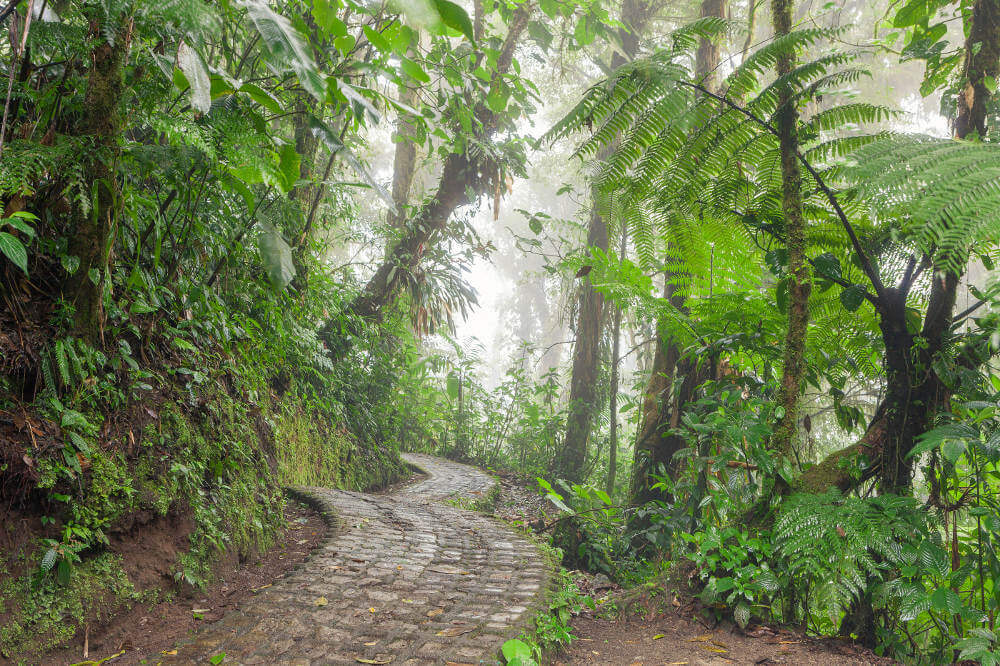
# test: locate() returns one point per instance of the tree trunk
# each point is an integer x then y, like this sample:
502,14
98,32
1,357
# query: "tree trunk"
980,66
569,462
404,164
799,279
616,329
655,446
460,184
95,230
307,146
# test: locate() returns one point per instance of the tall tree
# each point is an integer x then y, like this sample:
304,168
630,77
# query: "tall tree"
569,462
97,227
915,391
675,375
799,279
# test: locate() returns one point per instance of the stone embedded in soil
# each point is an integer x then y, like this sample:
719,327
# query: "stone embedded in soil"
404,577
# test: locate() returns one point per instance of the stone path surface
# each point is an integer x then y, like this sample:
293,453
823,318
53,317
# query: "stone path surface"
402,578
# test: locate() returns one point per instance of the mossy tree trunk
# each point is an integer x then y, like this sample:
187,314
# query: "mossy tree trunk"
94,230
305,195
799,278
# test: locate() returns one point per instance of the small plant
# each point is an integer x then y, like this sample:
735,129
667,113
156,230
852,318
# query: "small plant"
734,569
518,653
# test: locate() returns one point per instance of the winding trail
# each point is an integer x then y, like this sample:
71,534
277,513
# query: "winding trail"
401,578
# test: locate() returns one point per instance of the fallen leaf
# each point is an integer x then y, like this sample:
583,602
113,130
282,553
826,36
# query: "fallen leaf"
712,648
454,631
658,637
169,652
372,643
321,601
457,663
435,612
384,660
200,610
704,638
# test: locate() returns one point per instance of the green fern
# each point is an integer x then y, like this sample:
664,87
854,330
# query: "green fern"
846,545
942,195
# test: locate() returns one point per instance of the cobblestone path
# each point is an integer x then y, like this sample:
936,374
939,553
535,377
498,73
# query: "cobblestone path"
402,579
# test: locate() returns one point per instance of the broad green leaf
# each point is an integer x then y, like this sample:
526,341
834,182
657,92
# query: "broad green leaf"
199,86
14,250
413,70
912,13
517,652
852,297
828,265
454,16
263,97
345,44
325,13
277,256
377,40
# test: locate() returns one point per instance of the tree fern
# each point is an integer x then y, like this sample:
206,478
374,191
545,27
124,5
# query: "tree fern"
943,196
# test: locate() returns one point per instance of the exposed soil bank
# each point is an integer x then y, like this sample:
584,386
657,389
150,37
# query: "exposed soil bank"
146,631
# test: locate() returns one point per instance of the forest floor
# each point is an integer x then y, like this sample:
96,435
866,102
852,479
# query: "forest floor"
678,638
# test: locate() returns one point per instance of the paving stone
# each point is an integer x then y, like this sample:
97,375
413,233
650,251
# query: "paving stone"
388,560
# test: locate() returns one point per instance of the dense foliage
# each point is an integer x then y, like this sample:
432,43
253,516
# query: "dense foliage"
780,299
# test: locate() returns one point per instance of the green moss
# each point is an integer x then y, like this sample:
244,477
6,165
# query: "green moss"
48,614
313,452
